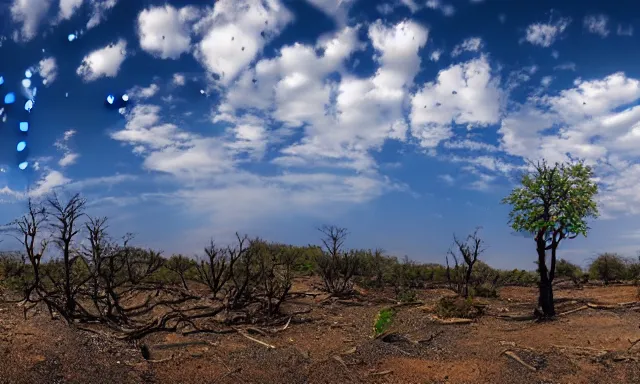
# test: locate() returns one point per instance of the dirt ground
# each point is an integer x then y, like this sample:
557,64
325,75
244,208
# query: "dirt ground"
332,342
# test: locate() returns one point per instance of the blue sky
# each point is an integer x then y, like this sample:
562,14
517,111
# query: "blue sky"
403,120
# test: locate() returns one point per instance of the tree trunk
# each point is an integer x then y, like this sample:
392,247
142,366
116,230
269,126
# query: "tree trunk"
545,299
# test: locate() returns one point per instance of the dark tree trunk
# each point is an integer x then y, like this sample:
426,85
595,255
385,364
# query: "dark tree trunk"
545,298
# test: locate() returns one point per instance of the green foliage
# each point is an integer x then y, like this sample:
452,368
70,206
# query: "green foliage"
569,270
554,202
608,267
14,272
383,320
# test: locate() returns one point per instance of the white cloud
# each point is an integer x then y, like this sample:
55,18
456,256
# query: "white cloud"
99,11
412,5
62,144
448,179
545,34
165,32
68,8
597,24
103,62
178,79
48,183
142,93
546,81
470,145
29,13
566,67
446,9
435,55
465,93
68,159
471,44
596,120
336,9
235,32
385,8
625,30
48,70
555,54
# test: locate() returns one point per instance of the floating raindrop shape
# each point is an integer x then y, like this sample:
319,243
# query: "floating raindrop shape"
10,98
1,80
26,83
24,126
125,97
72,36
28,105
23,165
110,99
21,146
28,73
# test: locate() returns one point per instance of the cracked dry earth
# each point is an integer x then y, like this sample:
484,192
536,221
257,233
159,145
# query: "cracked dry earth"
335,345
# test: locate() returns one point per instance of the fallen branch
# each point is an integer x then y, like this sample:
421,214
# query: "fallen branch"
602,306
453,320
257,341
381,373
285,326
409,304
517,359
633,344
574,310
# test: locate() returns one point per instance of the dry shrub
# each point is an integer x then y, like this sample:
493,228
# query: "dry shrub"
457,306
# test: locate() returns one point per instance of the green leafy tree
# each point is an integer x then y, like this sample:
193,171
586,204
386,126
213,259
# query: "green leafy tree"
569,270
553,203
608,267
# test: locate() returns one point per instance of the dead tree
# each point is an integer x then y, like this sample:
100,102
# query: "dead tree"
335,265
180,265
215,270
468,250
276,264
65,228
28,230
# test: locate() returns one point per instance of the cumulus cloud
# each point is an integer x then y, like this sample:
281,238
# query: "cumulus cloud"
30,14
465,93
235,32
68,8
435,55
165,32
103,62
471,44
142,93
178,79
48,70
99,11
597,24
545,34
594,120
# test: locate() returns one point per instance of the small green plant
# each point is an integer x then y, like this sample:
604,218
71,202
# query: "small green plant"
383,320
